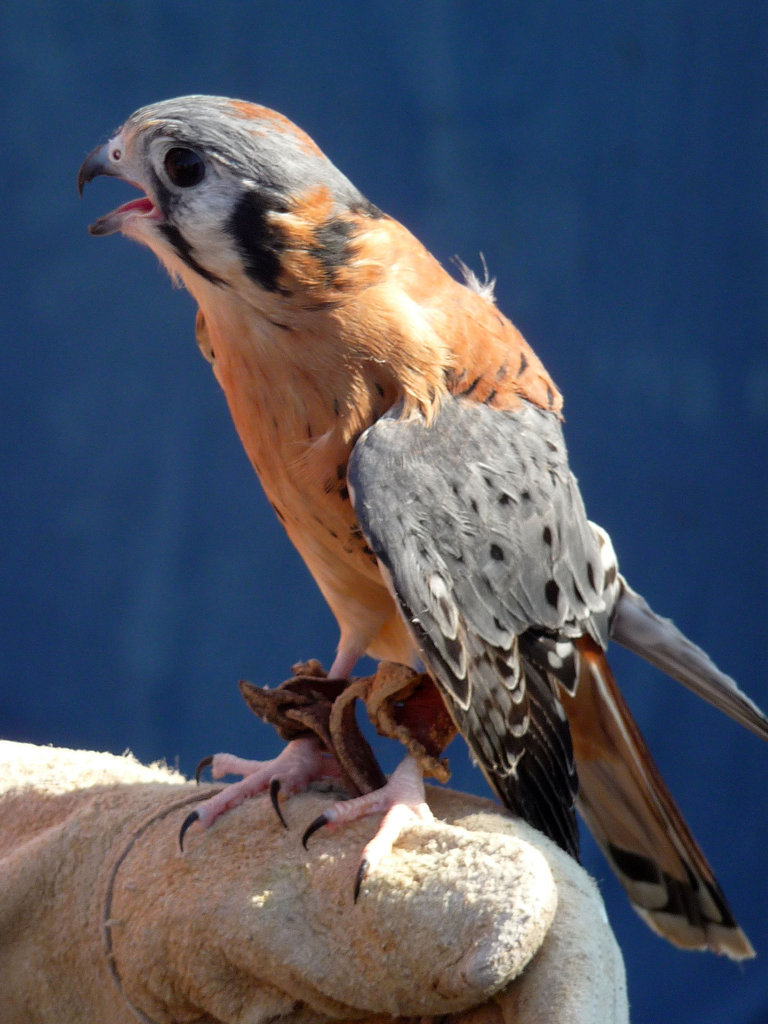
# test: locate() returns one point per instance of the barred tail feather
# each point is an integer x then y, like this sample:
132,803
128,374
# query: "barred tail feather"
636,822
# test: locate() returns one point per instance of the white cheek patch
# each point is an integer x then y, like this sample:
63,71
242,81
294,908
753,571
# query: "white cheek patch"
202,217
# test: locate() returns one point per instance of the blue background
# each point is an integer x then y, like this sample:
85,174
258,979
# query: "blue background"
609,160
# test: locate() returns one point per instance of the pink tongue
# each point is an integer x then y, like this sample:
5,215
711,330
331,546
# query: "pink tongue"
144,204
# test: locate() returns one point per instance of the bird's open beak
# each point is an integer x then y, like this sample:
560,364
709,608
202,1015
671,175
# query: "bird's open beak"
96,163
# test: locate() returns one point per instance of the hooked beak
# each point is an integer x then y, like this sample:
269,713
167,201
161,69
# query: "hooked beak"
96,163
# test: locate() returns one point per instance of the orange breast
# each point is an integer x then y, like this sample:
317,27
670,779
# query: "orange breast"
388,324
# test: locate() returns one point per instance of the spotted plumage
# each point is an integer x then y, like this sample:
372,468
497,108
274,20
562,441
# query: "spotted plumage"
409,440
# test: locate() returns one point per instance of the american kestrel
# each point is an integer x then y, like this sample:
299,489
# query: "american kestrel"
410,441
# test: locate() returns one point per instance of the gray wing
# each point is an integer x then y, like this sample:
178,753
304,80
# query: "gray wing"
479,525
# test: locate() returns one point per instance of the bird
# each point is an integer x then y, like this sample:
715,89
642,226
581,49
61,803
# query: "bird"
411,443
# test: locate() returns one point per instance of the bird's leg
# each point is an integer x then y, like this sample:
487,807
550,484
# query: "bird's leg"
302,761
346,658
402,801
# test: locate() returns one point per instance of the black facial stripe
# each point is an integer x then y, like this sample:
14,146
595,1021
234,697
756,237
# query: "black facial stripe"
257,241
333,247
184,252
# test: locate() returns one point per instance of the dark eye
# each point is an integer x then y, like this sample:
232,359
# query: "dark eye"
184,167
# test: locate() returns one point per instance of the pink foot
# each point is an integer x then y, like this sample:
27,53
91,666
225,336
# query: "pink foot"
403,802
301,762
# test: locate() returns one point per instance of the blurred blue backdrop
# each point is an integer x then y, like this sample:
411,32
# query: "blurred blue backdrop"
609,160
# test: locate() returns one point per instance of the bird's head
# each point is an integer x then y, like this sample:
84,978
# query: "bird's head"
290,264
235,195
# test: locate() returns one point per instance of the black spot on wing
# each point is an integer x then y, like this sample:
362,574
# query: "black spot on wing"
484,498
504,668
552,593
258,242
554,655
184,251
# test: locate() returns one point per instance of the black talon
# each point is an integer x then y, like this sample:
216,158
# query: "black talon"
274,789
190,819
205,763
362,871
311,829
